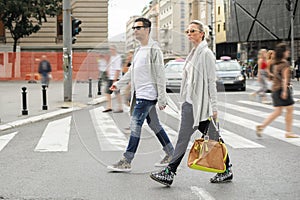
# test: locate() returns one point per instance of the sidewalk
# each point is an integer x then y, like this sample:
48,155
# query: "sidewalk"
11,101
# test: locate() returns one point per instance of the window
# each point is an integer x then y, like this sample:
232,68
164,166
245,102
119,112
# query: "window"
2,32
59,29
224,26
219,10
218,28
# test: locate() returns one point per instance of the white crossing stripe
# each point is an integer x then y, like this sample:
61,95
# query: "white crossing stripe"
201,193
110,137
270,131
238,142
4,139
296,112
231,139
253,87
56,136
258,113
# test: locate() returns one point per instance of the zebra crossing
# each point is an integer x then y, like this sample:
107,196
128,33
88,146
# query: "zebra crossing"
56,135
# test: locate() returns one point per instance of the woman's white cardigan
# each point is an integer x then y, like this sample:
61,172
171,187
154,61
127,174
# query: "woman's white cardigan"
203,83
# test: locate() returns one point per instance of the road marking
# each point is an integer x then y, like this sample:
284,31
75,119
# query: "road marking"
270,131
4,139
296,112
231,139
110,137
37,118
238,142
55,137
201,193
280,119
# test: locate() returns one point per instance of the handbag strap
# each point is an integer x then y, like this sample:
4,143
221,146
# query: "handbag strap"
215,123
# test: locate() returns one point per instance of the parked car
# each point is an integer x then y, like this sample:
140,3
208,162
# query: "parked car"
173,72
230,75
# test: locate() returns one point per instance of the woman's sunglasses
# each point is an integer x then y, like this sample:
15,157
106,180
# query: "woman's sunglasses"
191,31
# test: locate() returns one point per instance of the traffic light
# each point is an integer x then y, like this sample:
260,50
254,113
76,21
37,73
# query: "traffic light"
76,29
210,30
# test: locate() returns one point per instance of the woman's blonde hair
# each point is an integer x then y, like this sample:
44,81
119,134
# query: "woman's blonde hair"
261,52
202,28
270,54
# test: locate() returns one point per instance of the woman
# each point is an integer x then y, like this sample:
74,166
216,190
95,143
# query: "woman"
262,75
199,94
270,63
281,92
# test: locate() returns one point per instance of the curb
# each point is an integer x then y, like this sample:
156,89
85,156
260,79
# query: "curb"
66,108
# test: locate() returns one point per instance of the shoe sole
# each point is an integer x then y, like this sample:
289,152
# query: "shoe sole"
160,165
157,180
110,168
225,181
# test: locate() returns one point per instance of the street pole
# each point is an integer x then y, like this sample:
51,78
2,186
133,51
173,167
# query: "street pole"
67,50
292,33
213,25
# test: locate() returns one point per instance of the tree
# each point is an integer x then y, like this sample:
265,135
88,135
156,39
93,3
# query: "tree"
22,18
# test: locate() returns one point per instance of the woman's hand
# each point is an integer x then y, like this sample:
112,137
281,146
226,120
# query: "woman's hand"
284,94
113,88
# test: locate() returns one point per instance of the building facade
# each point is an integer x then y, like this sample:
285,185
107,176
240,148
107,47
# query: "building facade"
48,41
94,17
261,24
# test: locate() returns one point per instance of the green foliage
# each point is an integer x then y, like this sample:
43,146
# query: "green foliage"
24,17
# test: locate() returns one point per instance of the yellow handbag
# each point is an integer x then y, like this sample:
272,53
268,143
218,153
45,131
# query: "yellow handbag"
208,155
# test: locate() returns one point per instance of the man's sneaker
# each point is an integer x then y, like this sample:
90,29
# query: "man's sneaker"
122,166
224,177
164,162
164,176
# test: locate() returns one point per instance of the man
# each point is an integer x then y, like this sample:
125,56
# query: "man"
113,74
147,88
45,70
199,94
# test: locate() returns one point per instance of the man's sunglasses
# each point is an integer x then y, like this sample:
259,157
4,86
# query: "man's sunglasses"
191,31
138,27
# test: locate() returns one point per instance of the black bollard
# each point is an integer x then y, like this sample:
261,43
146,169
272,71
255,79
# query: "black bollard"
44,107
90,87
99,86
24,101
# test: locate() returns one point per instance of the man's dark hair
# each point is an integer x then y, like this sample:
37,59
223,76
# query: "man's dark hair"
146,22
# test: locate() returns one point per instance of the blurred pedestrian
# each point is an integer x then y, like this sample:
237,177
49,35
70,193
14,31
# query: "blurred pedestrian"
270,69
102,66
281,92
249,71
45,70
127,62
126,66
113,75
262,76
199,94
270,64
297,68
148,89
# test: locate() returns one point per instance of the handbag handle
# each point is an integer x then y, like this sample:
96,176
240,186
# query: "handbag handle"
216,124
217,127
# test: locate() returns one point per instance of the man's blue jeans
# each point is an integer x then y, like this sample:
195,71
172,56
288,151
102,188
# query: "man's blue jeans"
145,109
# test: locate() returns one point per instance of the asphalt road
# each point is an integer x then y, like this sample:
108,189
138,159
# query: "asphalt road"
72,165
